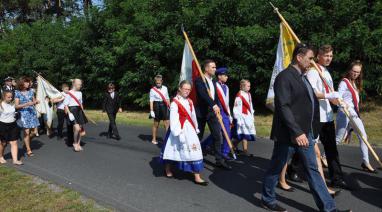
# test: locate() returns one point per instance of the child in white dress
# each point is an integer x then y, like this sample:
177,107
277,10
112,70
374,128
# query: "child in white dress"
244,118
182,145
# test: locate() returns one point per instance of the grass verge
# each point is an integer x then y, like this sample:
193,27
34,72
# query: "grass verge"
21,192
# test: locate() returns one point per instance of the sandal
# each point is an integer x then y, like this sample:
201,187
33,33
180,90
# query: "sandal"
18,163
30,154
154,142
3,161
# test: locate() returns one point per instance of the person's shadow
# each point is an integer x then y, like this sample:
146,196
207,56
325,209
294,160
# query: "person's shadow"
245,179
370,195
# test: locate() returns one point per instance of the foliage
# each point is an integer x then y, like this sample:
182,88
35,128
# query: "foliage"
130,41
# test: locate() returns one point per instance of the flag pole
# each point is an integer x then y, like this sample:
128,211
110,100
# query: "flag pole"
359,132
226,136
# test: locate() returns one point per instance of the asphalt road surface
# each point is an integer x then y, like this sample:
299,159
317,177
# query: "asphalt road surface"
126,175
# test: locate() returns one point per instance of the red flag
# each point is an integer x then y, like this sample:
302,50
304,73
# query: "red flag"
189,70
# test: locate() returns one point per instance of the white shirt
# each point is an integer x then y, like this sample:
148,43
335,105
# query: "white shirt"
69,101
155,97
346,94
112,95
211,86
7,113
326,112
61,105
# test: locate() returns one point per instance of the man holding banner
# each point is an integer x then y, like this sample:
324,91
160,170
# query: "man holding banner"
327,129
207,110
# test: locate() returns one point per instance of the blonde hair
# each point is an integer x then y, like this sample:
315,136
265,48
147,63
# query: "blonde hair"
243,82
3,97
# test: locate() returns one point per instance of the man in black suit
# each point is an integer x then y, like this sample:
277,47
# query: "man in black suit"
8,85
295,124
112,105
207,110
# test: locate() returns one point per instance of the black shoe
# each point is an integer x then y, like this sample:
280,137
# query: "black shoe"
222,164
204,183
295,178
291,189
118,138
275,207
340,184
336,193
366,169
335,210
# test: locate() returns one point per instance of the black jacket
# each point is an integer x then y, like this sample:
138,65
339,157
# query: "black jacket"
293,108
204,101
111,105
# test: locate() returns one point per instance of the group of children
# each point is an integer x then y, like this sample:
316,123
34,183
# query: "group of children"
18,114
182,147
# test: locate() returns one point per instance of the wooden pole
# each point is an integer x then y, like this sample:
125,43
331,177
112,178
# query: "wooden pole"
355,126
209,93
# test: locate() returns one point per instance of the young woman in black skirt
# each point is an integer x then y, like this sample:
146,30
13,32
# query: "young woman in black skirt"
74,108
159,106
9,131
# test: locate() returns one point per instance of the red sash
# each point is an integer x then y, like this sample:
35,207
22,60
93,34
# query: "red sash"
246,106
353,94
222,101
75,99
324,81
162,96
183,114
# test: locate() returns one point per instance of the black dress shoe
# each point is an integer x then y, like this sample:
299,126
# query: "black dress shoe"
222,164
340,184
336,193
291,189
204,183
295,178
118,138
275,207
366,169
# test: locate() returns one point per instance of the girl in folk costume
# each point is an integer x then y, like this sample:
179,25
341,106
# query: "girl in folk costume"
182,145
159,106
74,108
223,95
9,131
244,115
349,89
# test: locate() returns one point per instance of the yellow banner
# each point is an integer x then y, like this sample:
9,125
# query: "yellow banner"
288,45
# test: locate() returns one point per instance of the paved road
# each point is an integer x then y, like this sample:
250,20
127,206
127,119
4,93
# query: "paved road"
125,175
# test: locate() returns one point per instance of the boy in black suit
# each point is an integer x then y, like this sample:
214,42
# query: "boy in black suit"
112,105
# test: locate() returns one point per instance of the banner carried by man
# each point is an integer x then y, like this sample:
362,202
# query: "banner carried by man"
284,52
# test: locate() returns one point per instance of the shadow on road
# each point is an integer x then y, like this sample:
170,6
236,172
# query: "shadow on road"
370,195
245,180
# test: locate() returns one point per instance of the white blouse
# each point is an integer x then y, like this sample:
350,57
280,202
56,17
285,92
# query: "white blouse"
69,101
346,94
155,97
7,113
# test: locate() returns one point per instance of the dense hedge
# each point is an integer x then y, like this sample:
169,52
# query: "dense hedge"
128,42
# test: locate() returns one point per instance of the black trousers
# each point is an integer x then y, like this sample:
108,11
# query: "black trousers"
215,128
328,140
69,133
61,117
112,124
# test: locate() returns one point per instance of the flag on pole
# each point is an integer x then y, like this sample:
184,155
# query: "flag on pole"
189,70
284,53
44,91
